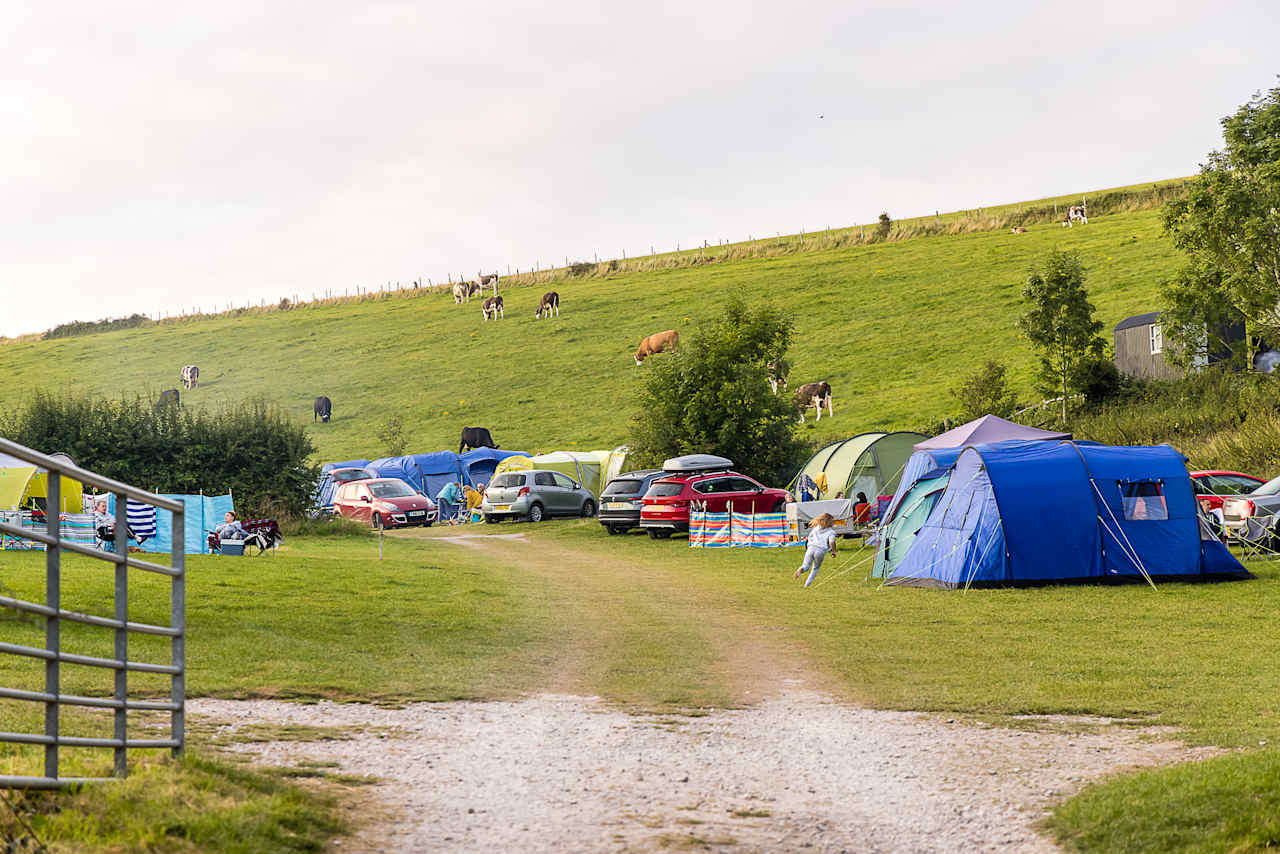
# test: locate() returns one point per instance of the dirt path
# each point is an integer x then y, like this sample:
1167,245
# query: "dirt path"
779,763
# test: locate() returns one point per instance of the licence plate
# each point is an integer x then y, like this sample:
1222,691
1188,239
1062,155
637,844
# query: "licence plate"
417,512
501,507
618,505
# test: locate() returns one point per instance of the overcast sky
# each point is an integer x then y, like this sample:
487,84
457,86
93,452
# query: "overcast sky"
159,157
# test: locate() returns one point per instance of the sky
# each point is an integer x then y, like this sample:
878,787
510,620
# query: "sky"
166,157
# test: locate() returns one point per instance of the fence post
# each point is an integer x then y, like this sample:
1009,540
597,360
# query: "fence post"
52,624
178,620
122,634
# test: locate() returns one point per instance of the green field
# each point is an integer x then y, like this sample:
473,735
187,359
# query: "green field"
658,626
891,326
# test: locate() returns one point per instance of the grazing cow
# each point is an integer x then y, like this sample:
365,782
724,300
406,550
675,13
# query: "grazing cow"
323,409
491,305
486,281
779,372
657,343
1076,213
550,305
475,437
190,376
168,397
464,291
816,395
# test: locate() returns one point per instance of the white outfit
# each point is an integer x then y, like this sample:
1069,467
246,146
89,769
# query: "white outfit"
821,541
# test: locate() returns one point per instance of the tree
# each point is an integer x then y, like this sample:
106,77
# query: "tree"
1197,313
986,392
713,396
884,226
1059,323
1229,219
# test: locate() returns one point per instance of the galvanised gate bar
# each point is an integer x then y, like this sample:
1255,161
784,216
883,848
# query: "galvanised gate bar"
118,623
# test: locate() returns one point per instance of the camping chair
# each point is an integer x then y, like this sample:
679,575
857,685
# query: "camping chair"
262,534
1258,540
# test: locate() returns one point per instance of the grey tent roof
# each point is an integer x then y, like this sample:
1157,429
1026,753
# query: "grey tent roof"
1137,320
981,431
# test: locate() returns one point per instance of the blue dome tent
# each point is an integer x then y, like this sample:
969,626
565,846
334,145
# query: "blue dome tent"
1044,512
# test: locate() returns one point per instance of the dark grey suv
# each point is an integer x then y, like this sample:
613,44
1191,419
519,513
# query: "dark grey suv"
535,495
620,502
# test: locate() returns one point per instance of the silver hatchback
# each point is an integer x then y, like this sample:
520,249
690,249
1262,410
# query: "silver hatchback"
535,495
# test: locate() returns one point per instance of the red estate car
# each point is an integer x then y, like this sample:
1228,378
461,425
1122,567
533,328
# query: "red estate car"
384,502
666,505
1212,487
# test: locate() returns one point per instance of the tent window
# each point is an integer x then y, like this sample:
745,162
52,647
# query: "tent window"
1144,501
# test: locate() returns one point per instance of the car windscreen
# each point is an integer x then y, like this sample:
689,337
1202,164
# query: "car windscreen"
391,489
1271,487
503,481
664,490
622,487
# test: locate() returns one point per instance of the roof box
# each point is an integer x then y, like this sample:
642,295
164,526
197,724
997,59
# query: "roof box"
690,463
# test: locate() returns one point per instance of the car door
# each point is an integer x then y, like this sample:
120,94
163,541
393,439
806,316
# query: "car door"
567,493
362,504
544,489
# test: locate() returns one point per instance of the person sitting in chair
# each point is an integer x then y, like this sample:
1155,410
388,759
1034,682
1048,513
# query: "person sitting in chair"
230,528
862,510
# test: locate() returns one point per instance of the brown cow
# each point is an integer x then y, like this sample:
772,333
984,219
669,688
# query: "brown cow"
492,305
549,306
657,343
816,395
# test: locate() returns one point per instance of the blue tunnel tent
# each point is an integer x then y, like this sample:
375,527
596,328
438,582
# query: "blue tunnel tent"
428,473
1050,512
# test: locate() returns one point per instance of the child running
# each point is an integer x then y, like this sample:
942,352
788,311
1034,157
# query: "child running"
822,539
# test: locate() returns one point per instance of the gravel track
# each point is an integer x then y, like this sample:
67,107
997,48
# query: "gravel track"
798,772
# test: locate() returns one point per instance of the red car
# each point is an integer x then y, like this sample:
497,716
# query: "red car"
1212,487
666,505
384,502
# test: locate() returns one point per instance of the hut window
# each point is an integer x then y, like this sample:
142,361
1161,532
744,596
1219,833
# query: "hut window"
1144,500
1157,339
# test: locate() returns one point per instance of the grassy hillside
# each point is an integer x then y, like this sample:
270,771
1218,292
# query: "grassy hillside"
891,326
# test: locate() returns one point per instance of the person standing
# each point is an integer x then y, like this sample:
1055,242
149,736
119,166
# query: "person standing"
822,540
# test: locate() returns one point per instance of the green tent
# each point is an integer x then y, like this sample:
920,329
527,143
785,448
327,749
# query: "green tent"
592,469
20,483
869,462
897,533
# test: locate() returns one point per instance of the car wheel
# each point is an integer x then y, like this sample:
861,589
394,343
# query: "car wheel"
377,522
659,533
535,513
614,529
588,508
492,520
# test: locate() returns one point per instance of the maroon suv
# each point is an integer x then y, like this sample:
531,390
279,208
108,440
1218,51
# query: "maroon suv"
666,504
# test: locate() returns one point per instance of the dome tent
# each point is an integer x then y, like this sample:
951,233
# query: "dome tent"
20,482
869,462
1027,512
984,431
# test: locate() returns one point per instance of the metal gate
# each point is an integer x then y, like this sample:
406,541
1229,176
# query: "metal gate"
118,623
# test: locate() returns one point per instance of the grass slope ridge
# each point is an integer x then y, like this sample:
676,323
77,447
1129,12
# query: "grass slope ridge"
892,326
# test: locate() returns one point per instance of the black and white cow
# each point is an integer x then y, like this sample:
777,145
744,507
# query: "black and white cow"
1076,213
168,397
190,376
491,306
549,306
816,395
323,409
475,437
486,281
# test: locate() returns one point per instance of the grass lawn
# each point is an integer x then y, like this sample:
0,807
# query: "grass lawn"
656,625
891,326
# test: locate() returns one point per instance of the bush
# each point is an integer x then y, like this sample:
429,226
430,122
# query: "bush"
987,392
251,450
884,226
391,434
86,327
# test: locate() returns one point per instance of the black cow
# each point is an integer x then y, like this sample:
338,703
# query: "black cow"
475,437
323,409
168,397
